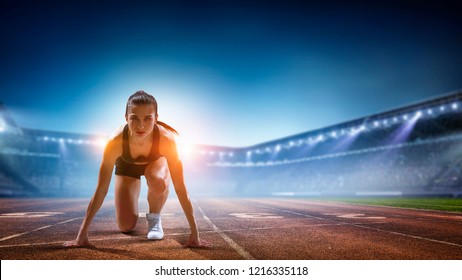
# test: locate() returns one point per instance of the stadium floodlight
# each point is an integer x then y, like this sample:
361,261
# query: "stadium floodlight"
333,134
430,111
405,117
454,106
61,140
415,117
291,143
249,153
231,154
395,119
376,123
385,122
355,130
277,148
45,138
442,108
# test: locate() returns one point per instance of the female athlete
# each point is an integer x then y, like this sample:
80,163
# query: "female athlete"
143,147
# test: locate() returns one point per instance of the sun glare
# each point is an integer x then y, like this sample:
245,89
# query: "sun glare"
101,142
185,149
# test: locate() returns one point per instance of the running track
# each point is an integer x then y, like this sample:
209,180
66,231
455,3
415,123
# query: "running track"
237,228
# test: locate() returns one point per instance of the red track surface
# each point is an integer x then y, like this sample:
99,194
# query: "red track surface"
237,228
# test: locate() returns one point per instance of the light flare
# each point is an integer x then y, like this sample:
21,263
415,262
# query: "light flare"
185,149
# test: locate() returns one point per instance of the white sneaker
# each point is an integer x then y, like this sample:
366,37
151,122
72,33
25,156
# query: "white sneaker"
155,231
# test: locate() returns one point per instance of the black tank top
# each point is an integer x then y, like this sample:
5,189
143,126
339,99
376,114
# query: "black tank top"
153,154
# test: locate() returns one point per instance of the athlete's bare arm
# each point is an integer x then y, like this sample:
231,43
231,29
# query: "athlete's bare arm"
111,152
169,150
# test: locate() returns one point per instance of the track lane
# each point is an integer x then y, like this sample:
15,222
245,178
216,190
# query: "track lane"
264,228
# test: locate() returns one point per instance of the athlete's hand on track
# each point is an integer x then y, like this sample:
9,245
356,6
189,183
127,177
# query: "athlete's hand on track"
78,243
196,242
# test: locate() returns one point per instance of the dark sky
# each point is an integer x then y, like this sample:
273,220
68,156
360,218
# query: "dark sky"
232,73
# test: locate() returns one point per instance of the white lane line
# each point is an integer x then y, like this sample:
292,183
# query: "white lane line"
59,242
37,229
246,255
411,236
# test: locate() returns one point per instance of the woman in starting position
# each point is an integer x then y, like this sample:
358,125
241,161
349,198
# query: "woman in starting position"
143,147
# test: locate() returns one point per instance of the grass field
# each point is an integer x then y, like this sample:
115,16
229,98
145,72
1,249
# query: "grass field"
441,204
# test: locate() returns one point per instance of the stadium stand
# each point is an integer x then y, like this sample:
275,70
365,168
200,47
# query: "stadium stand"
412,150
46,163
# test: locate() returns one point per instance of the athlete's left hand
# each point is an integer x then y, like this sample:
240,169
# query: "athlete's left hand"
196,242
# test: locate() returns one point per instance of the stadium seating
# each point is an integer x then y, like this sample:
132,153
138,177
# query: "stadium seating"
412,150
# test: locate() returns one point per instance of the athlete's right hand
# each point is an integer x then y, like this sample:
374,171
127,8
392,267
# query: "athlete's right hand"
78,243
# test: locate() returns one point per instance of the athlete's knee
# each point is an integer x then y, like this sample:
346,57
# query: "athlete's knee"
157,183
127,224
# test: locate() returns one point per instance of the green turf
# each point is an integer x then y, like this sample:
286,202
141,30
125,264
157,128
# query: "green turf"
442,204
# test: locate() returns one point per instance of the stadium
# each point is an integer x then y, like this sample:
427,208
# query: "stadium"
310,192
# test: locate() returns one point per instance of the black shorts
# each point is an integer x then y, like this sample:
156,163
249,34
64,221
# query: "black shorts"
129,169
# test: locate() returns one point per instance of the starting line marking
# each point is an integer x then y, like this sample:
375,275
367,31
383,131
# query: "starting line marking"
353,216
255,216
30,214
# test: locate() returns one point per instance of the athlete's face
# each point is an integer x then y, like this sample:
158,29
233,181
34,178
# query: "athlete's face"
141,119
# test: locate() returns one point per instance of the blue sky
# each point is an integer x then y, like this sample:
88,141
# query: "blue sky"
232,73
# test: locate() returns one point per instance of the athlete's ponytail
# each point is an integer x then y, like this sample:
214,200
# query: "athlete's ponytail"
168,127
142,98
